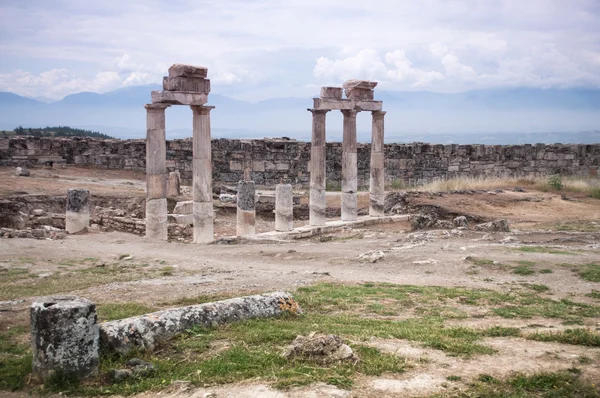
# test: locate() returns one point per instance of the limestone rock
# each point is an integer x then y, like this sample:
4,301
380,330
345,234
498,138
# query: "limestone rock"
331,93
362,84
494,226
422,221
64,337
183,70
460,221
186,84
22,172
372,256
320,348
38,212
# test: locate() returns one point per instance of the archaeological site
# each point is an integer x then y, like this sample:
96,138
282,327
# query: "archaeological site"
212,267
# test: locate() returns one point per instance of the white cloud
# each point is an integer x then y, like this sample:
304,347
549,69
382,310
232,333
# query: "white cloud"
435,44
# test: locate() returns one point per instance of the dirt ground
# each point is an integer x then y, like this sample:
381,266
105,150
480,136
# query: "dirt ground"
425,258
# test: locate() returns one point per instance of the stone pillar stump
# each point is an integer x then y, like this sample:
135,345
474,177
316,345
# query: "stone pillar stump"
78,210
284,207
246,213
64,337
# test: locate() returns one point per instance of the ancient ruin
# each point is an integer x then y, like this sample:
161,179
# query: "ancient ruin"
185,85
359,97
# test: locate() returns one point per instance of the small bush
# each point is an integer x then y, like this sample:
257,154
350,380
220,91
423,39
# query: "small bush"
555,182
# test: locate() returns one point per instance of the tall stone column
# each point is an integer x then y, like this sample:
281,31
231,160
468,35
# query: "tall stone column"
318,203
377,180
156,170
202,176
349,168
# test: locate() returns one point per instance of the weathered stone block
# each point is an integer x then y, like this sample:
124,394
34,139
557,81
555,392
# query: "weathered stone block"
179,97
22,172
183,70
360,94
78,210
64,337
331,92
186,84
362,84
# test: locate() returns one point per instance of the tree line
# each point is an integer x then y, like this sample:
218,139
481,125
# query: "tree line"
59,131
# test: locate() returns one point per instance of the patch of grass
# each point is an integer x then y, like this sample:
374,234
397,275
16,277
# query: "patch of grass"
167,271
563,384
542,249
594,193
453,378
8,275
578,226
523,270
537,287
580,336
500,331
545,271
73,279
595,294
590,272
113,311
15,360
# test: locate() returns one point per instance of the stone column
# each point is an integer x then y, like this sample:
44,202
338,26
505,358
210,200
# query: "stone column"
318,203
174,188
156,170
202,174
78,210
377,180
246,215
284,207
349,168
64,337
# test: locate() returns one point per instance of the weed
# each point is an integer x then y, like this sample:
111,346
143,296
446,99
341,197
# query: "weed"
113,311
555,182
453,378
537,288
545,271
167,271
594,294
523,270
542,249
590,272
578,336
15,360
595,193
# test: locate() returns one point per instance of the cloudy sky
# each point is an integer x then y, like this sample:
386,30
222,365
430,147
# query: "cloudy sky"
288,48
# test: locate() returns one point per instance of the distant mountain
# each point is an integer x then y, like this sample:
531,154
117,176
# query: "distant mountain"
471,115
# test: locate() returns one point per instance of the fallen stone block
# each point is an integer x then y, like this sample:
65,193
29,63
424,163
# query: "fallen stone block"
494,226
320,348
460,221
147,331
362,84
22,172
372,256
183,70
184,207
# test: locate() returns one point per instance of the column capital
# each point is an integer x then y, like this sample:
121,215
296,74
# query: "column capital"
378,113
156,107
201,109
350,112
318,111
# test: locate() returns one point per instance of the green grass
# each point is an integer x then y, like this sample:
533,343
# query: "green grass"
595,193
113,311
545,271
542,249
15,360
251,350
523,270
595,294
537,287
580,336
590,272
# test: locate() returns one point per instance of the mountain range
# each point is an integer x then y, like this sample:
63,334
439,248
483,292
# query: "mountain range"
493,116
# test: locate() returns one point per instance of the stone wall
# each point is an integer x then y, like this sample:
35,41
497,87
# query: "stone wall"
272,159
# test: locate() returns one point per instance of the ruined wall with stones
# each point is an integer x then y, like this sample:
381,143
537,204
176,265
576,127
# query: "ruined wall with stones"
272,159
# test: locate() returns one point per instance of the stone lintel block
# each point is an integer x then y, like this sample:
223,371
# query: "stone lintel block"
179,97
364,84
186,84
183,70
346,104
331,92
360,94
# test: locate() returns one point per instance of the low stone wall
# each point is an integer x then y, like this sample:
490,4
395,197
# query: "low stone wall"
272,159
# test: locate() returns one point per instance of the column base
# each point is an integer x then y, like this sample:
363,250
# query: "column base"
349,206
203,222
318,206
156,219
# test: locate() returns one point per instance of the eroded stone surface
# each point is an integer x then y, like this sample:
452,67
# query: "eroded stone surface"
183,70
493,226
146,331
64,337
320,348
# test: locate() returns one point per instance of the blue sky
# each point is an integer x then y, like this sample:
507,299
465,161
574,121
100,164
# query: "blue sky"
273,48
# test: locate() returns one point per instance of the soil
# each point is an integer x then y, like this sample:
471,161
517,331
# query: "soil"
426,258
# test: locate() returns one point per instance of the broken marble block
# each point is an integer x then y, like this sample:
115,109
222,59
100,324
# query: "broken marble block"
182,70
359,89
186,84
331,92
362,84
